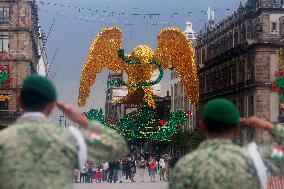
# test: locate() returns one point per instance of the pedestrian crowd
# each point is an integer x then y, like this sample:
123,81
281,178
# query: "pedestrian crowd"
125,169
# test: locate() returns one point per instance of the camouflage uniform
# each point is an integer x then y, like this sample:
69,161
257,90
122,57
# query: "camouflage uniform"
34,153
220,164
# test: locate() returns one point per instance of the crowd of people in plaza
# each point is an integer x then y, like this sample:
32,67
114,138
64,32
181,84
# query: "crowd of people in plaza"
125,169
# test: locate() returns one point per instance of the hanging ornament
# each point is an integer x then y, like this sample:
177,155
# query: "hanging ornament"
109,120
84,114
188,113
162,122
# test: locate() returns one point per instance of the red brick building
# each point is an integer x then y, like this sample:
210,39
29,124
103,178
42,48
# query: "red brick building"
20,52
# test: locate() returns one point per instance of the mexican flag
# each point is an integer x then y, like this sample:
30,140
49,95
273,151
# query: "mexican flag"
277,152
96,136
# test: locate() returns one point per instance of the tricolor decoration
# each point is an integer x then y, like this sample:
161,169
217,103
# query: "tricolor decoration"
5,77
95,136
277,152
278,85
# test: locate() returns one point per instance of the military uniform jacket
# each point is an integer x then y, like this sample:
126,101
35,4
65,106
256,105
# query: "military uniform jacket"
36,154
220,164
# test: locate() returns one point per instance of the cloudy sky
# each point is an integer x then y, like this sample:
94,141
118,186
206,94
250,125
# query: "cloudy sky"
71,26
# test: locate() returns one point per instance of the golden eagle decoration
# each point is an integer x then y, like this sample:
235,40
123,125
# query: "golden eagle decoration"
174,51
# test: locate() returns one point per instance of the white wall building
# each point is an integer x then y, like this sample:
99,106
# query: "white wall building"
42,65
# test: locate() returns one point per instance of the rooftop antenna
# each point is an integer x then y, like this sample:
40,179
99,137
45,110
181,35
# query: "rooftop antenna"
211,16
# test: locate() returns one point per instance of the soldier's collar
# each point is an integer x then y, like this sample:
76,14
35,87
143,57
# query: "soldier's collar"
215,142
33,114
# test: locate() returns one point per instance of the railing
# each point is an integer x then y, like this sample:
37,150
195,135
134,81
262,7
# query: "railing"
9,115
275,183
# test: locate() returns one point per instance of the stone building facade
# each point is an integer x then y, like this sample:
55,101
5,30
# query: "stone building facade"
112,110
237,59
19,50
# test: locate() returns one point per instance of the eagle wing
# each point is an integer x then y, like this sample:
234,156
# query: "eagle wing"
175,49
103,53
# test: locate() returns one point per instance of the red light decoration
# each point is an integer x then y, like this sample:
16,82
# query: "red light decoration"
188,113
110,121
162,122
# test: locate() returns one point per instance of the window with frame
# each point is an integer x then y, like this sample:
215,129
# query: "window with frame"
4,105
4,43
274,27
278,2
4,14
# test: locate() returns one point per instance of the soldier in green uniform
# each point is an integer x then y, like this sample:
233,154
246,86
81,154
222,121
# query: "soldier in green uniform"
220,164
35,153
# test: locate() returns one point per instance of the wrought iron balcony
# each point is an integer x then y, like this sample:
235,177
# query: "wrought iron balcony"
9,114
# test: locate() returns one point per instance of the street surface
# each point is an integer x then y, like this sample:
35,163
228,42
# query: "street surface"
136,185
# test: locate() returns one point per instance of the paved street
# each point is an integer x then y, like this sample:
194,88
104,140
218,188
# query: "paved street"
137,185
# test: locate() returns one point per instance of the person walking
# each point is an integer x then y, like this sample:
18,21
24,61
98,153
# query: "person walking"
35,153
162,168
127,169
133,168
142,166
115,171
120,169
105,171
152,169
219,163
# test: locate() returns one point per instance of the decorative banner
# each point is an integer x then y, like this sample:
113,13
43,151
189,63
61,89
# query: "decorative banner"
278,86
4,98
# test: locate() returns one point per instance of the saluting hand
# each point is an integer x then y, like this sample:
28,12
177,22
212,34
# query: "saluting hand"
257,122
73,114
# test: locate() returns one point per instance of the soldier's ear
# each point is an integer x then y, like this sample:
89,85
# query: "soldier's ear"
202,126
19,103
237,130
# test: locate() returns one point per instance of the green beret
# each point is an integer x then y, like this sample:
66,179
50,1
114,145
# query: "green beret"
40,85
222,110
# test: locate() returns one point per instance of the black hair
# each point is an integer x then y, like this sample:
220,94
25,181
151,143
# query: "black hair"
32,101
217,127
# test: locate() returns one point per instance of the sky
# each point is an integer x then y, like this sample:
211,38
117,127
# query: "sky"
71,37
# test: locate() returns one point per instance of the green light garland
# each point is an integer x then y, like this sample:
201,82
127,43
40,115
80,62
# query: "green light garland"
98,115
158,80
121,55
166,132
280,82
4,75
279,87
132,126
115,83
